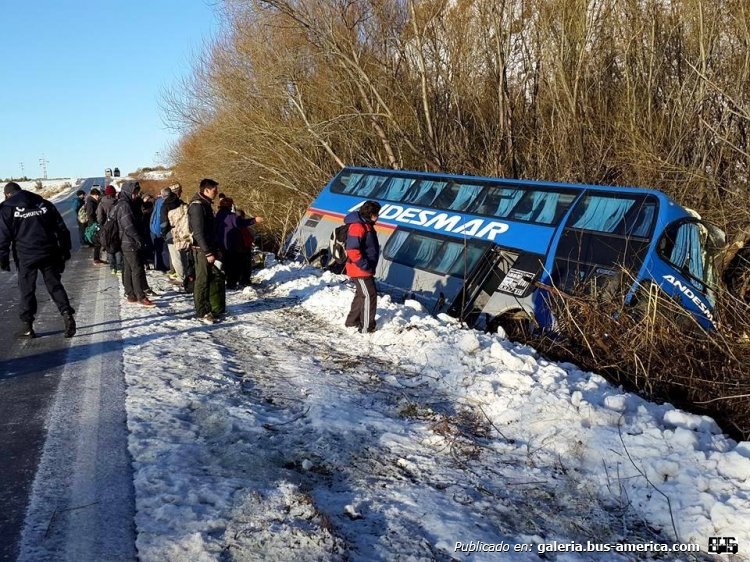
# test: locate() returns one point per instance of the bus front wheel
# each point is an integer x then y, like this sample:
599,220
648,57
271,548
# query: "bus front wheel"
517,324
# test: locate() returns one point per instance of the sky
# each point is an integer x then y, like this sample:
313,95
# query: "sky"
82,81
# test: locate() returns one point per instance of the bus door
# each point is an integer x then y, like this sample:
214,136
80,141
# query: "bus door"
482,283
605,236
684,266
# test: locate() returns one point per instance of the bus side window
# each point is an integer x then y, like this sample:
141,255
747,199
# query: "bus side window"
644,221
497,201
394,189
424,192
600,213
367,185
360,185
458,196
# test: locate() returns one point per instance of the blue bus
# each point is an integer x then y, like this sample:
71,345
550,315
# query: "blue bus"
487,249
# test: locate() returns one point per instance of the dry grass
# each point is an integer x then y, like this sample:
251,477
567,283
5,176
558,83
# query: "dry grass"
598,91
654,348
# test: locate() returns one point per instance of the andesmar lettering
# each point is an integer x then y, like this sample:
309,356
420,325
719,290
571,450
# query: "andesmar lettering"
690,295
441,221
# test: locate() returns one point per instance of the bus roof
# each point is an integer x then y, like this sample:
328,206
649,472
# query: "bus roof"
663,197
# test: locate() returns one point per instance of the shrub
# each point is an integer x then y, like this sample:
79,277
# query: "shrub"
656,349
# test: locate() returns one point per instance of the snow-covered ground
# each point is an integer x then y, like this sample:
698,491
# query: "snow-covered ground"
54,189
156,175
279,434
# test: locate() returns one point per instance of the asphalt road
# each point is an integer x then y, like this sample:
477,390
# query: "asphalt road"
65,476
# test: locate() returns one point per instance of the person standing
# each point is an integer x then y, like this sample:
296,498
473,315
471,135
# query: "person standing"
209,280
77,204
91,205
40,243
363,252
104,212
161,257
231,243
144,209
133,271
172,201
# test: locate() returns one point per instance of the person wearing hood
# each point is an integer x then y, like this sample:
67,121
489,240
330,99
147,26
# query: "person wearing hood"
363,253
229,232
40,243
131,236
104,212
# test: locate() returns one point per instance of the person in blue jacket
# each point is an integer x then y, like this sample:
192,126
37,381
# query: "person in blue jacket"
32,229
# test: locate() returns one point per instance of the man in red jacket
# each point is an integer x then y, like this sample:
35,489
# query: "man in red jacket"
363,252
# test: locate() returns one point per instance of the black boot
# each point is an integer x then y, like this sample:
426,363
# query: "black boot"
70,325
27,331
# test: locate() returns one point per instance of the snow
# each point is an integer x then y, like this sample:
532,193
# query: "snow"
156,175
54,189
278,434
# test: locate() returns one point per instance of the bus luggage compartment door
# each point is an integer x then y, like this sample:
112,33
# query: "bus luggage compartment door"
481,284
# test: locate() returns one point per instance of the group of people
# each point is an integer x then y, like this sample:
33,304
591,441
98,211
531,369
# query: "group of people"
210,249
202,251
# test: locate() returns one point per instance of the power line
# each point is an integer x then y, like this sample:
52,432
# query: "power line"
43,163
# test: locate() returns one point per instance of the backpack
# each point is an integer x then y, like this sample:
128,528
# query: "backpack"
109,236
181,236
90,233
155,225
337,244
83,217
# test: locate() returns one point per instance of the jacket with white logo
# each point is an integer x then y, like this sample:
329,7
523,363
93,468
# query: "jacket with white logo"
35,226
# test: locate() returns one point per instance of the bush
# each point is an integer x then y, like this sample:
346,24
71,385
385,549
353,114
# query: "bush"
656,349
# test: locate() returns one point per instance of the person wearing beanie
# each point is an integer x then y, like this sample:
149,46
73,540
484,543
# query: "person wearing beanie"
363,253
40,244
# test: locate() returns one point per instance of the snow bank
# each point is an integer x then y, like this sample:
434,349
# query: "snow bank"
666,462
279,434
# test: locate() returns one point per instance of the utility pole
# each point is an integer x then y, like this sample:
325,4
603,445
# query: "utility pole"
43,163
22,170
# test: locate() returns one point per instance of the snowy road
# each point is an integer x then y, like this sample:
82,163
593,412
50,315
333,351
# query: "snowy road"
66,484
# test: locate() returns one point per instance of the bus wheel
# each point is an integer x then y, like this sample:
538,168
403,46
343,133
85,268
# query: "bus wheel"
517,324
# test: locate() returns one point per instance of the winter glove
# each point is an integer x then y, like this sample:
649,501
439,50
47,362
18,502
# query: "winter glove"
5,265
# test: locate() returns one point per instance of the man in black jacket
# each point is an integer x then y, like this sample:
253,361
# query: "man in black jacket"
40,243
209,291
131,235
